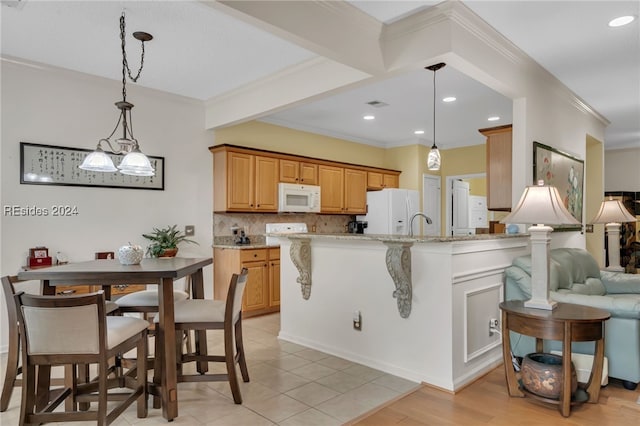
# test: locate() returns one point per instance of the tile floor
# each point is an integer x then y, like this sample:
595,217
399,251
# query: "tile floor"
290,385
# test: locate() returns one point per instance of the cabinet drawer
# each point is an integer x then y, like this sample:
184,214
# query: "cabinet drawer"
253,255
119,290
68,290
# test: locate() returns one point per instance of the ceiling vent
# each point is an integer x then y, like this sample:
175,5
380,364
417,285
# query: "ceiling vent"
377,104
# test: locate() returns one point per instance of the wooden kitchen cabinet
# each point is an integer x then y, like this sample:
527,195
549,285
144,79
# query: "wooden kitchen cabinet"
342,190
498,148
380,180
302,172
245,182
262,292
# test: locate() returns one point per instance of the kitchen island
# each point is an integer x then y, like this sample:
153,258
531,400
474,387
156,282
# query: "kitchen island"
424,304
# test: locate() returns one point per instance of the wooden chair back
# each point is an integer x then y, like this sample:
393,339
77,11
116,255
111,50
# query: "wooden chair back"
233,307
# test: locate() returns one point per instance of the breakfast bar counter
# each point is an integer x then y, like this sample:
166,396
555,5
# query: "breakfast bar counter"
423,304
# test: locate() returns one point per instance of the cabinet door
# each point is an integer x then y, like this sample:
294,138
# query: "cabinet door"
266,183
240,181
256,292
274,282
331,181
355,193
390,181
374,180
289,171
498,168
308,173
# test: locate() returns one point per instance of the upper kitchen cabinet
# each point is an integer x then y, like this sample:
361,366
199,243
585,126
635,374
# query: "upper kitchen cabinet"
342,190
380,180
498,146
302,172
244,182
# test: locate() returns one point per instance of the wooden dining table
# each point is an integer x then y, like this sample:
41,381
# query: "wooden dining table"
160,271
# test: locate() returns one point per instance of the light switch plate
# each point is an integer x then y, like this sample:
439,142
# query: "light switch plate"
189,230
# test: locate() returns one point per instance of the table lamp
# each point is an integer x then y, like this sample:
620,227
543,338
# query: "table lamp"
612,213
539,205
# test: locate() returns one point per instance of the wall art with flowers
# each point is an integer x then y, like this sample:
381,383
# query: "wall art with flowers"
566,173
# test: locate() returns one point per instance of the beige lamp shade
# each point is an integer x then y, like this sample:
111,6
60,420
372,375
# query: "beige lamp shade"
613,211
540,204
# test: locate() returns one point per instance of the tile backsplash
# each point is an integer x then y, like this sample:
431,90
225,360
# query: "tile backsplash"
254,223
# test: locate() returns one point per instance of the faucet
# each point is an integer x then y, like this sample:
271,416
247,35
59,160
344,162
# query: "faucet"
427,218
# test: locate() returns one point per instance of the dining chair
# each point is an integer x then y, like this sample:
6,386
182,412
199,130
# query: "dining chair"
75,330
206,314
13,368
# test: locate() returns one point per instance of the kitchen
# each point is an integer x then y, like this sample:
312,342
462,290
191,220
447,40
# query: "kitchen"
278,274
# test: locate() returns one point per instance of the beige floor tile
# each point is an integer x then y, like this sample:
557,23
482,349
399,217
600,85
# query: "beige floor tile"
244,417
344,407
313,371
396,383
277,408
372,395
289,362
311,354
312,394
284,382
290,347
363,372
335,362
311,417
341,382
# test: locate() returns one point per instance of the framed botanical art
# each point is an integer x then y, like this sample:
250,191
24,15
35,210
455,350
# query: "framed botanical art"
566,173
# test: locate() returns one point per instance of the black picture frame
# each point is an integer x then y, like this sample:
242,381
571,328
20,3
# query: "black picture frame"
565,172
42,164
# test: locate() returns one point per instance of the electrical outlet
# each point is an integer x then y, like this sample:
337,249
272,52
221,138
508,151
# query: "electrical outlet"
493,326
189,230
357,321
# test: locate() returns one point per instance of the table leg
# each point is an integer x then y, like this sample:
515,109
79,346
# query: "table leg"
43,378
595,379
510,374
197,289
167,330
565,393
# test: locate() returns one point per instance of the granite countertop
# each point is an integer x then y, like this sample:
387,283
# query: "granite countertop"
400,238
256,242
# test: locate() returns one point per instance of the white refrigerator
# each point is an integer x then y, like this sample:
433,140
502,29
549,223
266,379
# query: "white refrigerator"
389,211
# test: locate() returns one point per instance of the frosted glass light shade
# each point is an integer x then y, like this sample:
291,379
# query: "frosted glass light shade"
540,204
613,211
98,161
137,164
433,160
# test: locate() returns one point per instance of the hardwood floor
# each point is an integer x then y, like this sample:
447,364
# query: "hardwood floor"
486,402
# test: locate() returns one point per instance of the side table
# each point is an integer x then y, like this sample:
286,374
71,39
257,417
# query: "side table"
567,323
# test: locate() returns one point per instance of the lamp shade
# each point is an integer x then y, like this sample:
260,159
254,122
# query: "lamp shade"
613,211
98,161
433,159
540,204
137,164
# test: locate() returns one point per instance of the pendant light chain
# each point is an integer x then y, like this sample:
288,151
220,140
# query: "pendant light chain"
434,110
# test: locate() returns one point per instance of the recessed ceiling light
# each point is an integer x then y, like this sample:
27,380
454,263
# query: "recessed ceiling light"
419,132
494,118
449,99
620,21
369,117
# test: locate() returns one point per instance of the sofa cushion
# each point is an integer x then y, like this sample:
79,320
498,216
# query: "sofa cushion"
618,283
558,276
619,305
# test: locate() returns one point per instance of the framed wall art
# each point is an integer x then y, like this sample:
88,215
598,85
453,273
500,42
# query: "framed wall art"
57,165
566,173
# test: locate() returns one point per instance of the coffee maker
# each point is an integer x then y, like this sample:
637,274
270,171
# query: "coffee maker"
357,226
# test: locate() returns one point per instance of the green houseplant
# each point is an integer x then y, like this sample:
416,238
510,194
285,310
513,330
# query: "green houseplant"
164,242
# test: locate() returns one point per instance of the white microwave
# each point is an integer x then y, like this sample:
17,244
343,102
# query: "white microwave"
298,198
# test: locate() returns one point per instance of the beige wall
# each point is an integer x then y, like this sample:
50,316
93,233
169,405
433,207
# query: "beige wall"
594,193
622,170
255,134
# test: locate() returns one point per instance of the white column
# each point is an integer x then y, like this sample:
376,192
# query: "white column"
540,261
613,239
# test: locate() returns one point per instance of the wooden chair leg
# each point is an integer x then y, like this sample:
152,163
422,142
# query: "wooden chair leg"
242,362
28,402
141,382
13,358
157,368
229,358
43,384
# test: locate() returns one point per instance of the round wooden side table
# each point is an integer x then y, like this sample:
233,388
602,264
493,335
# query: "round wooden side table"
567,323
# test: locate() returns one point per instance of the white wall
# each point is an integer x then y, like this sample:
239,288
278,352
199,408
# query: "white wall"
57,107
622,170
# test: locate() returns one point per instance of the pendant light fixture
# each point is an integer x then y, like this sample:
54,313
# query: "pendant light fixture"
134,162
433,160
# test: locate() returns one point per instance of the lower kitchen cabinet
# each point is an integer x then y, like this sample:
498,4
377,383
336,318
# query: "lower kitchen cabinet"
262,292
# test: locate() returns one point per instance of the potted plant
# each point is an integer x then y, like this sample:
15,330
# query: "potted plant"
164,242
